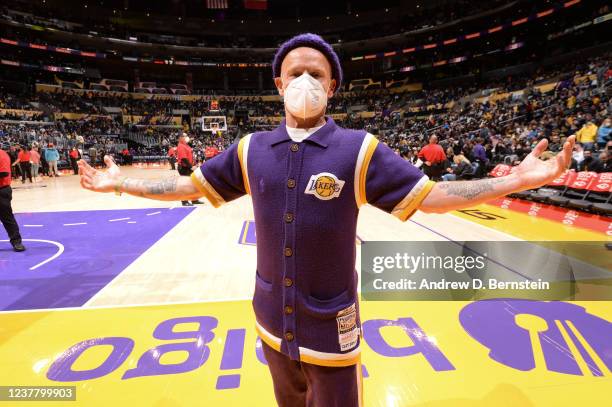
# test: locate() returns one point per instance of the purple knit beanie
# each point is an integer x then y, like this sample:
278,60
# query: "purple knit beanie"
311,41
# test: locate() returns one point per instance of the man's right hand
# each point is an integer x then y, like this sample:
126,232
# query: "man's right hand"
173,188
99,181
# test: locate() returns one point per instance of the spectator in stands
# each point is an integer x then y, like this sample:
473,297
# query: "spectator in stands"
433,157
93,156
603,133
462,169
555,144
498,150
74,156
577,156
23,160
586,135
52,156
44,165
479,155
590,163
127,157
411,155
35,160
606,160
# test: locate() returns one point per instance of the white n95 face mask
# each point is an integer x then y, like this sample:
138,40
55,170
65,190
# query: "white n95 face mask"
305,97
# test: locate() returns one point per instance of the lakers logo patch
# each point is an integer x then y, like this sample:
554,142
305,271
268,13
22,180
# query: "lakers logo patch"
324,186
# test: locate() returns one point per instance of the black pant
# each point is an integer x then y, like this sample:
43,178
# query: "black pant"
73,164
300,384
185,172
6,215
435,170
17,172
26,171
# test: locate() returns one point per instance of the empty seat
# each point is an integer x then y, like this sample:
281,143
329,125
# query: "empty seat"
581,204
603,208
523,194
558,200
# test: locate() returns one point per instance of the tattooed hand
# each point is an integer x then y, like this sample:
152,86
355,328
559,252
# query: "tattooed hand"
531,173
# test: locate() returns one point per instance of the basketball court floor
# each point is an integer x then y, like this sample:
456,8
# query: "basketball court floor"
146,303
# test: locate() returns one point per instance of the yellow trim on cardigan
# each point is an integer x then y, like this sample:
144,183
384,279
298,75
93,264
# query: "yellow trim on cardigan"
329,362
266,337
243,164
364,170
207,194
406,208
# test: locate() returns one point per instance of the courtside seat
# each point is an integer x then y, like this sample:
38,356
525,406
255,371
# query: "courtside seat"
575,194
581,204
603,208
523,194
544,194
599,198
558,200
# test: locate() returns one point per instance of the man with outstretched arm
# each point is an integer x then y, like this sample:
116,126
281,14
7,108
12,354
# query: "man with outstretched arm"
307,180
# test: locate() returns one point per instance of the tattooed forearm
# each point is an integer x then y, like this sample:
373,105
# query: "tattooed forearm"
160,187
168,189
469,189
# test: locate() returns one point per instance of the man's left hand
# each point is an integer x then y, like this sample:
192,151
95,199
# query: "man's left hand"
533,172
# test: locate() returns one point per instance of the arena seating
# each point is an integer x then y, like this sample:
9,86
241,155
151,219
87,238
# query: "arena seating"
584,190
508,119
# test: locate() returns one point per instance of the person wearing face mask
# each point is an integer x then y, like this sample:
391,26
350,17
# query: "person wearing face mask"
307,179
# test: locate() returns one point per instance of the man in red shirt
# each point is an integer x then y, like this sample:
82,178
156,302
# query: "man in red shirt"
433,157
23,159
6,195
184,155
210,152
75,156
127,157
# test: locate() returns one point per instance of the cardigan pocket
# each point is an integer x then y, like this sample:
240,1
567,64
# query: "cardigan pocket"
328,308
261,283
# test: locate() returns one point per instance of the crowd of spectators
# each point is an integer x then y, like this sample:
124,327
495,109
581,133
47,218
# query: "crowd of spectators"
468,138
505,131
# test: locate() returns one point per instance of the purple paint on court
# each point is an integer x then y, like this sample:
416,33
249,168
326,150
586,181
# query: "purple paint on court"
94,253
247,234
